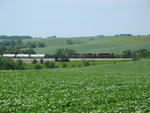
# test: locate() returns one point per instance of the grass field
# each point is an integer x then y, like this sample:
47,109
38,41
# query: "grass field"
109,44
122,87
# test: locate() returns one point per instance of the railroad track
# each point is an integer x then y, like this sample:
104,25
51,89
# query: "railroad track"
29,60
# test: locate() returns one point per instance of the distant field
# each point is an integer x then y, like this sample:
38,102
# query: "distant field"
107,44
110,44
114,88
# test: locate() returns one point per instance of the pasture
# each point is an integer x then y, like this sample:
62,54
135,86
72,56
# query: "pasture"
122,87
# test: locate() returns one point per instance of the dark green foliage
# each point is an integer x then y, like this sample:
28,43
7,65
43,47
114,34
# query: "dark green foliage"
27,51
56,59
34,61
15,37
85,63
64,59
69,42
60,53
40,44
64,65
38,66
48,56
143,53
49,64
126,54
73,65
35,44
15,47
79,65
20,65
41,61
10,64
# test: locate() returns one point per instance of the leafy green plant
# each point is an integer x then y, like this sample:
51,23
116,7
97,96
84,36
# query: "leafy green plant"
38,66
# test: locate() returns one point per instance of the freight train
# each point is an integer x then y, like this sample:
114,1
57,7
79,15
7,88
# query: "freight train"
90,55
70,55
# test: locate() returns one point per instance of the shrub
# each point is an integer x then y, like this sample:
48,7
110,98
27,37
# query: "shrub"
49,64
85,63
73,65
64,65
37,66
79,65
9,64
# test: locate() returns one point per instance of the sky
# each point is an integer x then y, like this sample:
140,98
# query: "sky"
74,18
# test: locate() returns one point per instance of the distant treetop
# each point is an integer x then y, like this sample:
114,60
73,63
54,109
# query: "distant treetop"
123,35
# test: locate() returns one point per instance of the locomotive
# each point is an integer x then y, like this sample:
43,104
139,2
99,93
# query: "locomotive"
90,55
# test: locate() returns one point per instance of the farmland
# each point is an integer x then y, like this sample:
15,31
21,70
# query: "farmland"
110,44
122,87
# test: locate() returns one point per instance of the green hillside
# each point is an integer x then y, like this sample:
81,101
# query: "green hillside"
111,44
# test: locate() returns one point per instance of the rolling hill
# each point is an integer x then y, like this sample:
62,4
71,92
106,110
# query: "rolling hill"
110,44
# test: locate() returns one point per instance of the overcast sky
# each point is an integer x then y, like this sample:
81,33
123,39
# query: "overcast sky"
71,18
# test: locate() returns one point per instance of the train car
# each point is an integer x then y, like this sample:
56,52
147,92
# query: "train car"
88,55
37,55
9,55
22,56
105,55
73,55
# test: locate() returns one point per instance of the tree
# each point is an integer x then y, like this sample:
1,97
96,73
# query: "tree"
126,54
143,53
19,65
34,61
134,57
40,44
19,41
41,61
7,64
69,42
60,53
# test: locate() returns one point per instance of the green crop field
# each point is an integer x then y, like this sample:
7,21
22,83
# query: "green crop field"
110,44
122,87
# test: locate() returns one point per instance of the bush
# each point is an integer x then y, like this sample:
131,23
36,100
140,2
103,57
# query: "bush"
73,65
37,66
49,64
85,63
64,65
79,65
9,64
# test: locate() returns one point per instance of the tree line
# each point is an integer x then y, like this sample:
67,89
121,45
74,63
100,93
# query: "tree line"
142,53
15,37
19,47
